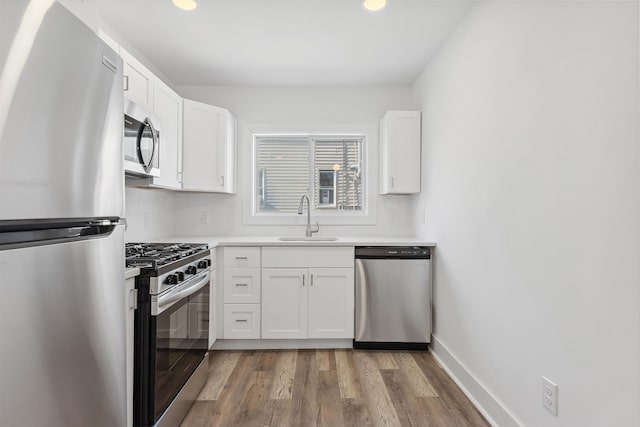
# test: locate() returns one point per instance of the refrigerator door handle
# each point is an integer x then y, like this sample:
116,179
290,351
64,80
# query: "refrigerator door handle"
13,239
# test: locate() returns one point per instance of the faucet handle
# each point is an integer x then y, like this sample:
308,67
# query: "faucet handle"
317,228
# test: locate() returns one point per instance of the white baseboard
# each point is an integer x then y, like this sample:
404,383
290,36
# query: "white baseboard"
488,405
281,344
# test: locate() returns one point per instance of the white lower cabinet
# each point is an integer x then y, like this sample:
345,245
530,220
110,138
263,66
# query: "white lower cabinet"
331,303
288,293
284,302
307,303
131,303
242,321
213,302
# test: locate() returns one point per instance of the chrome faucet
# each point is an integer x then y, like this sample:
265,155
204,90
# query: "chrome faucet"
310,231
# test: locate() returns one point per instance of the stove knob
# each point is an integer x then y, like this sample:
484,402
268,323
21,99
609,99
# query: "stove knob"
172,279
202,264
191,270
180,275
208,262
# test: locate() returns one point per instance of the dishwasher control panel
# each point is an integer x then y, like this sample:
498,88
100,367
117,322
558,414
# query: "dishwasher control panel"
402,252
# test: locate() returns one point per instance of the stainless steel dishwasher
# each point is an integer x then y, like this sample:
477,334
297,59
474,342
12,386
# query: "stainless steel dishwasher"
393,297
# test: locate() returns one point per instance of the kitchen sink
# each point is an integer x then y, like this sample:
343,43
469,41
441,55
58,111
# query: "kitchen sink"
307,239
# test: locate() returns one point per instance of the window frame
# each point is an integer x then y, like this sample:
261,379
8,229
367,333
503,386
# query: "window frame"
312,191
248,156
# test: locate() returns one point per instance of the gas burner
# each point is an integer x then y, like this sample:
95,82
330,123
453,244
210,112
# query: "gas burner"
156,255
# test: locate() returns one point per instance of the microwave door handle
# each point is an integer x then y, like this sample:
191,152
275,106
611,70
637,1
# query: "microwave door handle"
156,148
147,166
165,303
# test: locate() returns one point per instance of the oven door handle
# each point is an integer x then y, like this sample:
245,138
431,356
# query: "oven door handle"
167,301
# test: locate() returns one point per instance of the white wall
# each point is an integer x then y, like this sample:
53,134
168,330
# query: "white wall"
293,106
150,214
531,190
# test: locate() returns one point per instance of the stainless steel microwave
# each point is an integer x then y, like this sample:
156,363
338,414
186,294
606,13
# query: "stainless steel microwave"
141,141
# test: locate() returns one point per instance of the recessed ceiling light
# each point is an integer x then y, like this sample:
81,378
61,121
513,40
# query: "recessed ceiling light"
374,5
185,4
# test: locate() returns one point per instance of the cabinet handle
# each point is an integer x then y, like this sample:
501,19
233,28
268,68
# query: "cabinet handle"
133,299
125,83
222,181
242,320
312,280
241,257
303,276
242,284
392,182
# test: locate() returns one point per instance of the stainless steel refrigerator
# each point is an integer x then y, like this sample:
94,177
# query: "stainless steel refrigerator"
62,304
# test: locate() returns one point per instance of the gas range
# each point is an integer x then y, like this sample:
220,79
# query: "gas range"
171,328
167,265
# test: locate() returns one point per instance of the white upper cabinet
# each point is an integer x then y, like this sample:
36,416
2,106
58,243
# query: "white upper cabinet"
138,81
209,148
400,156
168,108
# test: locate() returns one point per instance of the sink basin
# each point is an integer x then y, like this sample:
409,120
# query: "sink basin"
307,239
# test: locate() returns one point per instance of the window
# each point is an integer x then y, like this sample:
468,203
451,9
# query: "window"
327,169
327,188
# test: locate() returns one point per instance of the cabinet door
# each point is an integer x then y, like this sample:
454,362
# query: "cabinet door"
208,148
284,302
138,81
168,108
400,157
331,303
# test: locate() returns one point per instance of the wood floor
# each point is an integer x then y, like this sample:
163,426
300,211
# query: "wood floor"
330,388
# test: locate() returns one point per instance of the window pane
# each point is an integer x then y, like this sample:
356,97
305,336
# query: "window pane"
282,174
344,158
326,189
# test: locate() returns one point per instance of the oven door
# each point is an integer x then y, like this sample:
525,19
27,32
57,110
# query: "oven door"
175,344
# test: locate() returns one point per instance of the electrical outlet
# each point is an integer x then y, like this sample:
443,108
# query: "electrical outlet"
147,219
394,215
204,217
550,395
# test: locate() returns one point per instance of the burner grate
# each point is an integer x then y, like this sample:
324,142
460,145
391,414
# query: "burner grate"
155,255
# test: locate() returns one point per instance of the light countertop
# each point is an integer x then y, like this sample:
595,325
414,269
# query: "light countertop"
131,272
214,241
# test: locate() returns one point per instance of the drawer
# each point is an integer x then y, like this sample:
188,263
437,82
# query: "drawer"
303,257
241,321
242,257
242,285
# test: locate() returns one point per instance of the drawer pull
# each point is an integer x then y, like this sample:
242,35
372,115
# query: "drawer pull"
242,320
241,257
242,284
312,280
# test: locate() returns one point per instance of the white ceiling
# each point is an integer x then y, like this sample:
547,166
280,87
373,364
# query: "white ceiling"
286,42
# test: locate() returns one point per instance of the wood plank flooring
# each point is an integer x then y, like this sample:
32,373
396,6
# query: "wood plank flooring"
331,388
